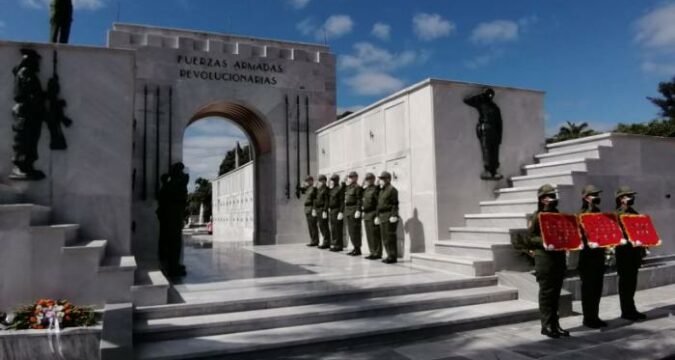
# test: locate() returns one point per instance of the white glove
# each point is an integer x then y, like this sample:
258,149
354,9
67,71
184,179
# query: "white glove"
393,219
550,247
324,215
340,216
377,221
357,215
624,242
593,245
314,212
638,243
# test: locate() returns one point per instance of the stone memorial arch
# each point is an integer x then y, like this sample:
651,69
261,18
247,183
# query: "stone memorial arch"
278,92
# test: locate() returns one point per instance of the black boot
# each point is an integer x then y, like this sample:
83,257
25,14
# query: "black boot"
550,332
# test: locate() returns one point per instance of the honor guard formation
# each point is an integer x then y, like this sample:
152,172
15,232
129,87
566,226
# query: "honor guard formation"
328,205
330,202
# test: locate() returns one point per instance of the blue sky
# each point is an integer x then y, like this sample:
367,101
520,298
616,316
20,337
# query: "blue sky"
597,60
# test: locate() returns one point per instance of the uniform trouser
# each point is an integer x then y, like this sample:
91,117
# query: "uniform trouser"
323,228
550,267
388,235
490,148
373,236
59,33
354,230
628,261
336,229
312,225
592,274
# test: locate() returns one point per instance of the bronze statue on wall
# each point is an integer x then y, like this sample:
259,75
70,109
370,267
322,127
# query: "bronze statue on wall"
56,111
172,198
489,131
29,113
61,19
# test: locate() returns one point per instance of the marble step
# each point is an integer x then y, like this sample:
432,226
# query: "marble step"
64,234
579,164
10,194
492,235
185,327
600,140
554,178
323,292
530,192
15,216
504,220
473,249
116,277
592,151
150,288
91,252
362,330
40,215
527,206
456,264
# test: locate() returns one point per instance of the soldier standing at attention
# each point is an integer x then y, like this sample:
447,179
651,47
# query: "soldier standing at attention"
371,193
387,216
336,209
353,204
549,266
310,213
628,259
321,211
61,19
591,265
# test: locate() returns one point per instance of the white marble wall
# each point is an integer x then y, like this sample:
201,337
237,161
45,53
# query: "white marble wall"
90,182
233,210
308,72
425,136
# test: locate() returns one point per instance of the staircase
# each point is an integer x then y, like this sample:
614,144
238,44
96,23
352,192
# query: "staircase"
54,260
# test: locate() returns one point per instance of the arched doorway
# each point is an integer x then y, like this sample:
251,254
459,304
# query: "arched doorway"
261,141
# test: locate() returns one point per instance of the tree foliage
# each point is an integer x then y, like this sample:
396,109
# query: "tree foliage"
667,102
571,131
658,127
201,195
229,161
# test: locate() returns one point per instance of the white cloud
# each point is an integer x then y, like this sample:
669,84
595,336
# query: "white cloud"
432,26
299,4
656,29
381,31
374,83
334,27
367,56
77,4
495,31
478,61
659,68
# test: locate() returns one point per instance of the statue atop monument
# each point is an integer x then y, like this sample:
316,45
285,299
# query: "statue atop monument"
29,113
489,131
61,18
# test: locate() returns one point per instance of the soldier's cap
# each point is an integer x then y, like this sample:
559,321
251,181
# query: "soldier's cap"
590,190
335,177
29,53
369,176
385,175
322,177
353,174
623,191
309,178
546,189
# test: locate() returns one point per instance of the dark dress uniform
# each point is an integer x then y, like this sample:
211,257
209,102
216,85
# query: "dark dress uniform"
628,262
370,199
61,19
336,207
321,207
311,215
550,267
387,207
353,204
592,274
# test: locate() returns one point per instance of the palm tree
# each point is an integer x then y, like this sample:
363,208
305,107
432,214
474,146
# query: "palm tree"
571,131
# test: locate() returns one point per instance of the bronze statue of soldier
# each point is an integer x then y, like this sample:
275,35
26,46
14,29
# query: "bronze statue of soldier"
489,131
61,19
29,113
172,198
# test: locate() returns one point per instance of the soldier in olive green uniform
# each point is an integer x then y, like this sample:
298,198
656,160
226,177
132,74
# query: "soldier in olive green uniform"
353,199
591,265
321,211
336,209
549,266
628,259
310,213
387,216
371,193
